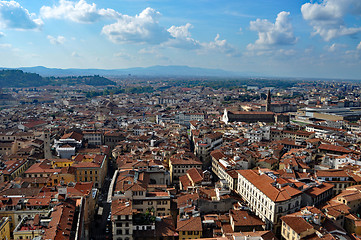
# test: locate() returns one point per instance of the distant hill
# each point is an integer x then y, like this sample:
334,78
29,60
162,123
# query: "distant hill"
95,80
19,78
139,71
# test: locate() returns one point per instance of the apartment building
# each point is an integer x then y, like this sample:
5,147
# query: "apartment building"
268,196
180,163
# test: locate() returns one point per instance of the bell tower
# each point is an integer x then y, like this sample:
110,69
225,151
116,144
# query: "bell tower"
268,101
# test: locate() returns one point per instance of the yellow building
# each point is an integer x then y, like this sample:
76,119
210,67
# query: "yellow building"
62,162
189,228
351,197
294,227
65,176
14,168
94,171
4,228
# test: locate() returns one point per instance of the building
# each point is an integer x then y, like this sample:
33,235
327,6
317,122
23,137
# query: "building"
145,197
247,116
122,220
205,145
14,168
66,146
189,227
268,196
341,179
4,228
243,221
91,169
310,223
94,138
180,163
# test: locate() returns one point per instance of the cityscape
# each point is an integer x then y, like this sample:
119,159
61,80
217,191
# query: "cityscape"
117,123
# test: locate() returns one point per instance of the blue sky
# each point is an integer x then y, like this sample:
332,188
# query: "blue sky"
264,37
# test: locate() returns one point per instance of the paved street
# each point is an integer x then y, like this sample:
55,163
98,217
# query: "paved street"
98,227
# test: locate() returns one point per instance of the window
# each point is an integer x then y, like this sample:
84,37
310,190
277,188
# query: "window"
190,233
119,232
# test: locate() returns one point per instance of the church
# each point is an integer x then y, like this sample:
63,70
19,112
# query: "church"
268,115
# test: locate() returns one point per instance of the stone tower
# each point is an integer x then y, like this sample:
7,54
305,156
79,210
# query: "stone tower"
46,139
268,101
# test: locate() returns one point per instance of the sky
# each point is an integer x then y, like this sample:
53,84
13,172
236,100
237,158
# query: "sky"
283,38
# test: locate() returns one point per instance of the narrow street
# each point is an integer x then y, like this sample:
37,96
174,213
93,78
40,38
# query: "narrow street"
101,228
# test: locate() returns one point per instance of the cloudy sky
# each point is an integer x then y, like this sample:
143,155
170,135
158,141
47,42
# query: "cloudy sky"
264,37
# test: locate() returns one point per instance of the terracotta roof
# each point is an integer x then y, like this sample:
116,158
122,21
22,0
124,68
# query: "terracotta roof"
318,190
32,124
332,173
190,224
334,148
165,227
243,218
184,180
298,224
186,199
250,112
62,218
265,235
73,135
218,154
195,175
121,207
264,184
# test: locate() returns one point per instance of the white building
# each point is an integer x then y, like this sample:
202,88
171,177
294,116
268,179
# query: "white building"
268,196
253,135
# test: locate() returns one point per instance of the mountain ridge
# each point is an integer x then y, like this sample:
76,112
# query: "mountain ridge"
157,70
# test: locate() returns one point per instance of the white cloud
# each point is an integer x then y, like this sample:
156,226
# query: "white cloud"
80,12
334,47
327,17
123,55
221,46
143,28
2,34
182,37
181,31
5,45
56,40
147,51
359,46
273,34
13,15
75,54
273,53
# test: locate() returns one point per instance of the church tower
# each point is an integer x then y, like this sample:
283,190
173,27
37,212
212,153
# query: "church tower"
268,101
